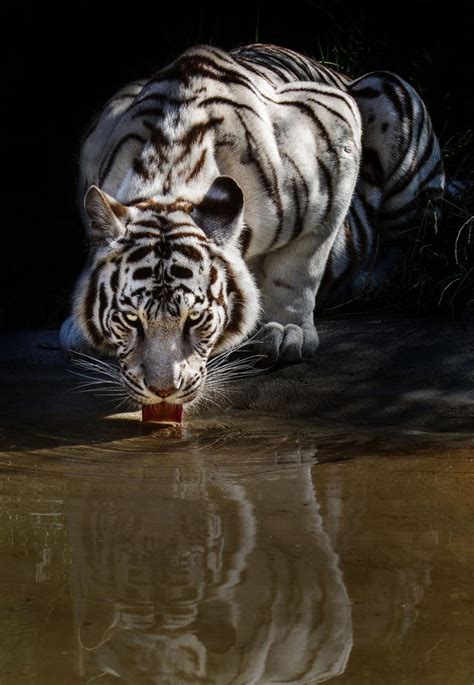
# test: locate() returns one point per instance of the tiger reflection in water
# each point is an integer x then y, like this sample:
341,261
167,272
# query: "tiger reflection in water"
195,579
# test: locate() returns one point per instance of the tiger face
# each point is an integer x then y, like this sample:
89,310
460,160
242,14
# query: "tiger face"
165,288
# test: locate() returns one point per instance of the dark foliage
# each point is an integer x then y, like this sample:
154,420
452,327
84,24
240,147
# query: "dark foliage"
62,63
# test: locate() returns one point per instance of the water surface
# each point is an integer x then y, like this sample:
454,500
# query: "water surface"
242,550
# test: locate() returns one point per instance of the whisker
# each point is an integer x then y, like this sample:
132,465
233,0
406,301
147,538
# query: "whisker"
226,374
92,380
90,362
245,343
96,360
102,379
127,403
238,362
112,373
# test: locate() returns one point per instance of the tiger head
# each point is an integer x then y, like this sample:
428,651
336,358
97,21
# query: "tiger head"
165,288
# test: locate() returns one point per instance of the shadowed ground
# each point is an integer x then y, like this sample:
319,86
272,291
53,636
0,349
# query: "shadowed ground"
369,371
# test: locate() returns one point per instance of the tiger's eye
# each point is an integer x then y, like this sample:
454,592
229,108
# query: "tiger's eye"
132,318
194,314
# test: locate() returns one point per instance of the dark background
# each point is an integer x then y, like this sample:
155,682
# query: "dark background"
63,62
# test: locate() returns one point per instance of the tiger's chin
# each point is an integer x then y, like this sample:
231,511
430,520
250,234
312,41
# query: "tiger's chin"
187,401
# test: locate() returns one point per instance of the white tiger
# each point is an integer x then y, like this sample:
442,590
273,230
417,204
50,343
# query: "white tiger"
217,197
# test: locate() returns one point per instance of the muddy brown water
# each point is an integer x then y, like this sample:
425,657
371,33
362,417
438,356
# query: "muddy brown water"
240,550
247,548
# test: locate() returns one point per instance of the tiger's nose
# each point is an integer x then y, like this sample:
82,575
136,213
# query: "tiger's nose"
163,392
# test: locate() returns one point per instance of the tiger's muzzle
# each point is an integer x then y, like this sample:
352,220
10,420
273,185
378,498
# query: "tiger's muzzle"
165,367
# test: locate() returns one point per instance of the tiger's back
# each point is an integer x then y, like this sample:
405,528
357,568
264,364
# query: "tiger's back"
284,140
401,160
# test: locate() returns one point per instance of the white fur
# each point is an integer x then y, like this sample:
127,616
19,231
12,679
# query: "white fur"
294,148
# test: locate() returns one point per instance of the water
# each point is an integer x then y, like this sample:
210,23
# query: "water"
242,550
247,548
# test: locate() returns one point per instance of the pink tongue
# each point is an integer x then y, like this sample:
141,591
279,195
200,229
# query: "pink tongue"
162,413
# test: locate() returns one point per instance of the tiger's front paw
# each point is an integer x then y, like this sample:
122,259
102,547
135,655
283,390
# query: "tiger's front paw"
72,340
288,344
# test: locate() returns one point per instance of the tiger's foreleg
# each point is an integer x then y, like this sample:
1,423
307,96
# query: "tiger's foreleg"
323,146
290,276
289,282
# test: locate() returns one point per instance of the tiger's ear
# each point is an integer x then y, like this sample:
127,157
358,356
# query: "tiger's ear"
220,211
106,215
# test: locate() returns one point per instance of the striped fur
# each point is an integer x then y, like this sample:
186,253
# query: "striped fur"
172,244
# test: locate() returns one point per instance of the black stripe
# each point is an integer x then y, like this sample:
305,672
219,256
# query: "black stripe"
236,312
139,253
147,223
113,100
329,188
347,99
191,324
163,97
250,150
198,65
436,171
199,237
197,132
217,53
173,225
390,91
218,100
152,111
272,189
125,300
324,78
140,169
103,172
368,92
114,281
190,389
158,138
245,239
334,112
89,303
180,271
373,167
394,214
408,177
351,246
329,279
339,80
309,112
103,303
142,235
131,380
360,231
298,222
276,63
184,288
143,273
136,201
410,115
188,251
302,179
197,167
306,66
247,64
